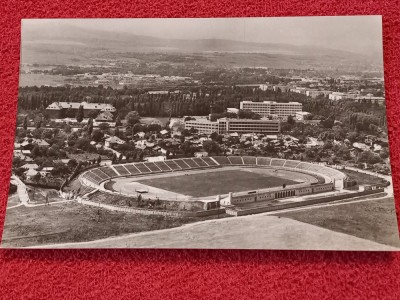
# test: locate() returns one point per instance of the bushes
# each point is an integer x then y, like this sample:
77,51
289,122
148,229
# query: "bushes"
12,189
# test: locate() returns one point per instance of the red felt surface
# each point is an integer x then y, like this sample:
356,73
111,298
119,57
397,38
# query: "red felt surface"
178,274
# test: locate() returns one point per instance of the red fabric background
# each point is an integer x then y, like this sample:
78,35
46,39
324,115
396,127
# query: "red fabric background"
178,274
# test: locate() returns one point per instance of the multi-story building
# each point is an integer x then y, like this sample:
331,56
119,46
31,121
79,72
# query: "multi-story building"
315,93
341,96
226,126
267,108
58,109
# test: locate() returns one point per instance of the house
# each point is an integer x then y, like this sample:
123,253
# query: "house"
141,134
112,141
30,166
164,132
201,154
105,116
30,174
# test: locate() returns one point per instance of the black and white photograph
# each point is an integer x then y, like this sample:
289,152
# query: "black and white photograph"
218,133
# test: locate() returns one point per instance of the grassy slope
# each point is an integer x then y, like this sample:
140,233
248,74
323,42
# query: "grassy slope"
72,222
372,220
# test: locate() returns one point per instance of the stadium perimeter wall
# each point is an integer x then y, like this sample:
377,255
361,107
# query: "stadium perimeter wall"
319,200
144,211
277,193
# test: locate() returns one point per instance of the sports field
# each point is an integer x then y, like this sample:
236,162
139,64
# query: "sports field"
217,182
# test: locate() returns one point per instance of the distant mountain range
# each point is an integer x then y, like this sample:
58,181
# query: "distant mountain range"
66,37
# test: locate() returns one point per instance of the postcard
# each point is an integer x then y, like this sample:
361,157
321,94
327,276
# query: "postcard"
224,133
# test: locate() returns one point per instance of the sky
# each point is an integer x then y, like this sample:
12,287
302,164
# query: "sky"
360,34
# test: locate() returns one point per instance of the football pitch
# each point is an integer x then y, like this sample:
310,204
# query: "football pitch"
218,182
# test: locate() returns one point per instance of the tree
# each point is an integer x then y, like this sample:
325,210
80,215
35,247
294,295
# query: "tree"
97,135
90,126
70,113
79,114
38,124
211,146
82,143
99,159
25,124
92,114
118,121
132,118
67,128
36,178
12,189
290,120
104,126
60,169
214,136
35,151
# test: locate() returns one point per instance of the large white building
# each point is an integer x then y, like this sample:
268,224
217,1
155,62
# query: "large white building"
267,108
226,126
56,109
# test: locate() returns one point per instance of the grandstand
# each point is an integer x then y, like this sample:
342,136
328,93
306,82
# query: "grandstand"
235,160
249,160
108,171
98,175
190,163
152,167
276,162
121,170
142,168
172,165
222,160
132,169
263,161
162,166
200,162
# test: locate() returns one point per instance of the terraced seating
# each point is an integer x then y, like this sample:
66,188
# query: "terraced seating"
152,167
132,169
222,160
209,161
110,172
190,163
235,160
182,164
93,177
100,174
263,161
303,166
142,168
121,170
172,165
277,162
249,160
200,162
162,166
291,163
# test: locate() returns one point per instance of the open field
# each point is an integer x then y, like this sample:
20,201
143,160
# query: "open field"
217,182
13,200
73,222
249,232
373,220
38,195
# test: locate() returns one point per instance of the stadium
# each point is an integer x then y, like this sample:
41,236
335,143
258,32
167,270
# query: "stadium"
236,185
